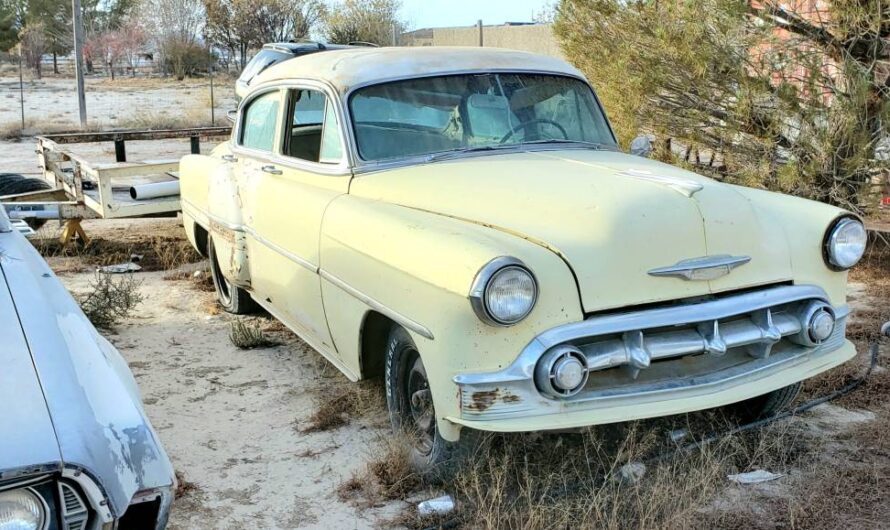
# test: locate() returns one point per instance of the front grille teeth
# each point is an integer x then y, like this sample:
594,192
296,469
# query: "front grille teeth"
75,514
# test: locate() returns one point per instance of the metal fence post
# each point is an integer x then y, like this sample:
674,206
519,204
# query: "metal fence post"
21,88
212,105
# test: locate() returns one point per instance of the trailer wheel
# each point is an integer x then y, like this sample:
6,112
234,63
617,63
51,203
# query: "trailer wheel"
13,184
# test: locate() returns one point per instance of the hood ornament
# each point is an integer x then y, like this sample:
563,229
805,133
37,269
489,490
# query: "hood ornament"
702,269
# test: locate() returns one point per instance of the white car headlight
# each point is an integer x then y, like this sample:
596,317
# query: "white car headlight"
21,509
504,292
845,243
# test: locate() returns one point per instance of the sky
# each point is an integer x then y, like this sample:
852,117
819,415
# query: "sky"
443,13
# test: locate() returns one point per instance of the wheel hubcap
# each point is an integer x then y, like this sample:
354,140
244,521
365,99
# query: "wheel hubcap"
420,405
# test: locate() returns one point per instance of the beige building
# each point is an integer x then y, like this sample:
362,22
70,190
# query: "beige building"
537,38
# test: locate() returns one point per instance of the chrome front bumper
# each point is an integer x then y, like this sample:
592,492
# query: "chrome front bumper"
745,342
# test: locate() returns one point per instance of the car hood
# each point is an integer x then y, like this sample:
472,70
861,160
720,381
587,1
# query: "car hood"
34,445
612,217
87,413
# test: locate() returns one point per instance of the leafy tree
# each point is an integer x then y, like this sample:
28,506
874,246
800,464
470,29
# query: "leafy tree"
55,18
374,21
751,91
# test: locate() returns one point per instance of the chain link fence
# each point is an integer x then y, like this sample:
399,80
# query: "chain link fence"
140,100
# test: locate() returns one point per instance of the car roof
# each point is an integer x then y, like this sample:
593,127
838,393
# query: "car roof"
303,47
358,66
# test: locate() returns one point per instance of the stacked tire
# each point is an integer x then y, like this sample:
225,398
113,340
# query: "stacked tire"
13,184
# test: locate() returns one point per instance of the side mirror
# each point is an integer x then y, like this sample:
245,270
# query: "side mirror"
232,116
641,146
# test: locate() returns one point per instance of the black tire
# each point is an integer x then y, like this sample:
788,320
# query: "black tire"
13,184
232,298
412,412
766,405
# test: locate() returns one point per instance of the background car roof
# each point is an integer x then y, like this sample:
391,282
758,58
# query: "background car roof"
345,69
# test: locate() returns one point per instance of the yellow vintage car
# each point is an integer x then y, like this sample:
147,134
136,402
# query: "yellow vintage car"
462,223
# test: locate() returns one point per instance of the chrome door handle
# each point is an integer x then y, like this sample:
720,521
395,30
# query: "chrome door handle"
272,169
229,158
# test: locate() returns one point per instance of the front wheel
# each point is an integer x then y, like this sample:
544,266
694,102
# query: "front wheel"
767,405
232,298
413,413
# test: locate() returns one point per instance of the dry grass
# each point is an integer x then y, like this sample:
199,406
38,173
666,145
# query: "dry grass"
536,481
248,335
338,403
157,252
111,299
387,476
864,328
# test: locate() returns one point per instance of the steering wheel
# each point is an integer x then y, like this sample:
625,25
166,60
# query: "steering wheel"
526,124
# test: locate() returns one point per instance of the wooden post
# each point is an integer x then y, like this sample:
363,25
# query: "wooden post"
77,17
196,144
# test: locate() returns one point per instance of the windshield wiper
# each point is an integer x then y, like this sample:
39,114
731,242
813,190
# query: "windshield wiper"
580,143
461,150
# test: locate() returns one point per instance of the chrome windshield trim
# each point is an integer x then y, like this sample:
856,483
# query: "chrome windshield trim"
702,269
399,318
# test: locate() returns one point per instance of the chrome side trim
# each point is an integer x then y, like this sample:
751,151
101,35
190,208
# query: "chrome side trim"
302,262
374,304
702,269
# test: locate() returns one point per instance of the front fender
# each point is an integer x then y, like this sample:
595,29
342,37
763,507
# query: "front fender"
420,265
89,391
803,224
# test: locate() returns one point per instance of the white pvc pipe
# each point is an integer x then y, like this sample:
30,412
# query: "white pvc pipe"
155,190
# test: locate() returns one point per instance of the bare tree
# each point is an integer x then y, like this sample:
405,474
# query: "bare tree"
239,25
374,21
33,41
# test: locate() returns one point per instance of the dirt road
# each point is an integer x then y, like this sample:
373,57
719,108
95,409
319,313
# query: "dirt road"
230,419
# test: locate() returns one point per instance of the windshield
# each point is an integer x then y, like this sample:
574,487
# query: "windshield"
474,112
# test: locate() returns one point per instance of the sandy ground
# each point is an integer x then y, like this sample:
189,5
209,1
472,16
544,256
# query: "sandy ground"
230,418
53,100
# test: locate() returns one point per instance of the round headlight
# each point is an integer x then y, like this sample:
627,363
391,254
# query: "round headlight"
845,243
21,509
504,292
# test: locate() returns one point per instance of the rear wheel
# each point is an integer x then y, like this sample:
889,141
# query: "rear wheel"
412,411
232,298
766,405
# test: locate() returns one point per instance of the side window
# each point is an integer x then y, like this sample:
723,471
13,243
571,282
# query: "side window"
258,122
313,133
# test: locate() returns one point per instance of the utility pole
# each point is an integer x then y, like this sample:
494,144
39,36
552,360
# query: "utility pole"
77,17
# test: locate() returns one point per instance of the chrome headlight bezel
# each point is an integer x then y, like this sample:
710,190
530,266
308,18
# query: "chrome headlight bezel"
482,282
38,501
829,250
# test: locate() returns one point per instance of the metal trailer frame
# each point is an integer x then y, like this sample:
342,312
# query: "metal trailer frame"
83,190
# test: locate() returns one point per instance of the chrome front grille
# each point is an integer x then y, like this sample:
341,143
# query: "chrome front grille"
661,351
757,332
